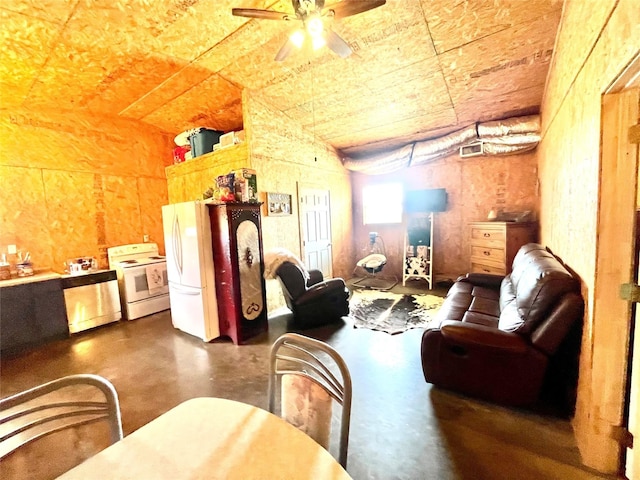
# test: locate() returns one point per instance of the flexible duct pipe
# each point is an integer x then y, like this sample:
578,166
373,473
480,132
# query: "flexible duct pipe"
500,137
509,127
499,149
382,163
430,150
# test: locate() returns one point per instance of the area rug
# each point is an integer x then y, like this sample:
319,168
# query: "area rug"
392,312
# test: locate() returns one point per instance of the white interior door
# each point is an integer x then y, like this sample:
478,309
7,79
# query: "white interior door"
315,227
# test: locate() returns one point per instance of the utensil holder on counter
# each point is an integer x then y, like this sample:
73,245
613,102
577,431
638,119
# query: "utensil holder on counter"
24,269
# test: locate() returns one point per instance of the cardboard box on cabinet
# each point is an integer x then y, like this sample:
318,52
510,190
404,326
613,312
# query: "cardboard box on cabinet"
246,185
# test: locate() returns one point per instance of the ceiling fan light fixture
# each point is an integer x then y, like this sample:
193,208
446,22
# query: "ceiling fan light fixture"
318,42
315,27
297,38
312,14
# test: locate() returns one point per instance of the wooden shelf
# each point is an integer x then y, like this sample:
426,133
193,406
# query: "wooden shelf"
418,257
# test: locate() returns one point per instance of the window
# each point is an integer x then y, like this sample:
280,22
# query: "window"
382,203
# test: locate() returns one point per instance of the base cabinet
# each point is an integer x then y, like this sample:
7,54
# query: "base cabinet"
236,237
495,244
32,314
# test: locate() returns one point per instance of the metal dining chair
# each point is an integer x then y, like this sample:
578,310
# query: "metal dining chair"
309,376
60,404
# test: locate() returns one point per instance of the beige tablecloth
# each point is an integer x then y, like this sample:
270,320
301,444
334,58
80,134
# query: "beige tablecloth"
213,438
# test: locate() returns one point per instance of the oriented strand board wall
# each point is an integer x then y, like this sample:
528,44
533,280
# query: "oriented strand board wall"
595,42
474,187
285,156
74,185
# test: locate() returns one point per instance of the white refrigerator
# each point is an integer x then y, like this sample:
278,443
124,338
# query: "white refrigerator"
192,293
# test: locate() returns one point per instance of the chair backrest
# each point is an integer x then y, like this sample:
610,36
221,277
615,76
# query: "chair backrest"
306,367
292,279
40,411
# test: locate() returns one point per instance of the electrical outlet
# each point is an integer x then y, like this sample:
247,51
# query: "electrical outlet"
145,238
11,249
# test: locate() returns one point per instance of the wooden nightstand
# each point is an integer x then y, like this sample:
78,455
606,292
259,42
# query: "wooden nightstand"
494,244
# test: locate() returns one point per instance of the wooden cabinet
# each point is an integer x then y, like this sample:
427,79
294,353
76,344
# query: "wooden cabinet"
494,244
236,238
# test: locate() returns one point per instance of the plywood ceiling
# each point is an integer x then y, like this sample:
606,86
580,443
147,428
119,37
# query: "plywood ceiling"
421,68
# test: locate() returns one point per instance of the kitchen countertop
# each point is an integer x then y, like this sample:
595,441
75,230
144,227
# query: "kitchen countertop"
38,277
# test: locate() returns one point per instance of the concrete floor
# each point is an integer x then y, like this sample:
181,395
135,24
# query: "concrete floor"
402,427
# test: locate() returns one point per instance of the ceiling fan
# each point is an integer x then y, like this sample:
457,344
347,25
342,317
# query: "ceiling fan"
315,17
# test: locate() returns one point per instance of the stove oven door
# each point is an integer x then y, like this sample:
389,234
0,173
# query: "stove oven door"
145,281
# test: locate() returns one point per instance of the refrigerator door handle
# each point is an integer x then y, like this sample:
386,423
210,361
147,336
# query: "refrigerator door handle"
177,244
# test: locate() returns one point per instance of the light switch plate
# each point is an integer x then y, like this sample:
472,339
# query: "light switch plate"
11,249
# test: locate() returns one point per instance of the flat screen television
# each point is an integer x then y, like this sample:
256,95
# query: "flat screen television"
425,201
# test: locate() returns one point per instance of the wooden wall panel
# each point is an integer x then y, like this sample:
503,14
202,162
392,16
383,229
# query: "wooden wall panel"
23,214
453,23
152,193
215,95
596,41
285,155
575,38
474,187
81,142
75,225
78,184
122,222
17,76
507,62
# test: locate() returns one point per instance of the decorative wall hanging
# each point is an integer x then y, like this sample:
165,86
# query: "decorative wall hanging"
277,204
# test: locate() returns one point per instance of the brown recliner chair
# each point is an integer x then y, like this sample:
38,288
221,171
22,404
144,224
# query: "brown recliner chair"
313,300
497,335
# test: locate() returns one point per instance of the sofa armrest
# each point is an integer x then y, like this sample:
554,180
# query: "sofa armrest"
473,335
315,276
487,280
321,290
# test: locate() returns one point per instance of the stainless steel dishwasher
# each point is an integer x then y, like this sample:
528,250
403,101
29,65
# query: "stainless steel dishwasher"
91,299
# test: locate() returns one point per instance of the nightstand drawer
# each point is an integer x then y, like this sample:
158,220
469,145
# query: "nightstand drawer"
490,237
493,245
482,268
487,254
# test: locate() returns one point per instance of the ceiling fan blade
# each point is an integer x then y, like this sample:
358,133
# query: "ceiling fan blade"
285,50
337,44
347,8
262,14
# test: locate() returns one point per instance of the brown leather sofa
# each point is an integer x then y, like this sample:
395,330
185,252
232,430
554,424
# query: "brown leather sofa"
496,336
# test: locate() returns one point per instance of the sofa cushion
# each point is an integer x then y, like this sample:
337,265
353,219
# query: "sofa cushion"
485,292
535,285
485,306
481,319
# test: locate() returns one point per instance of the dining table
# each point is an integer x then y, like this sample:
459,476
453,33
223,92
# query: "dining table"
212,438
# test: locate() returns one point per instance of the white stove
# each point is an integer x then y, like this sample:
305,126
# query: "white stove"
142,278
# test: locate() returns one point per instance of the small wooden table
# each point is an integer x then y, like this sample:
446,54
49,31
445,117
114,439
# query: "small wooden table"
212,438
